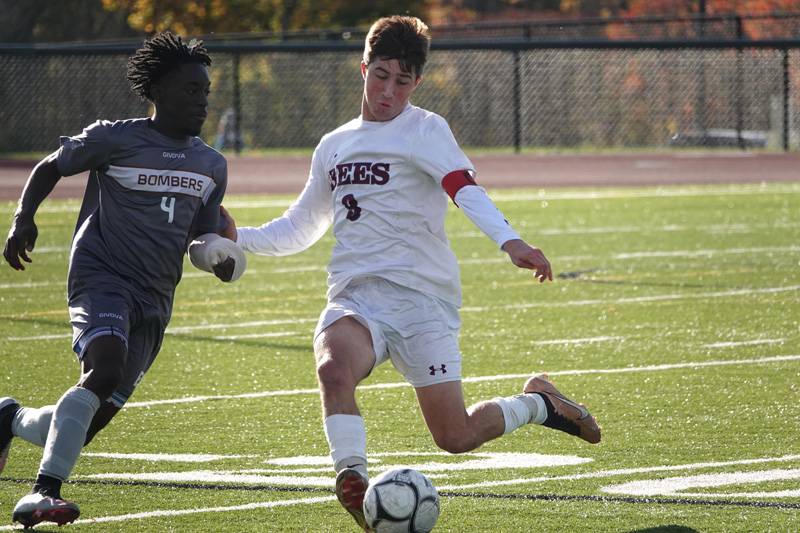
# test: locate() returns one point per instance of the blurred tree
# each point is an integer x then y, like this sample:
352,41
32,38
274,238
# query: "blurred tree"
46,21
230,16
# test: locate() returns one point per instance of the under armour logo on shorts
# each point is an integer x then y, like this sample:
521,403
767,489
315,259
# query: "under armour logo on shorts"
433,370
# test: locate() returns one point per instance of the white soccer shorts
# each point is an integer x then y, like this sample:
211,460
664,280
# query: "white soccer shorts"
417,332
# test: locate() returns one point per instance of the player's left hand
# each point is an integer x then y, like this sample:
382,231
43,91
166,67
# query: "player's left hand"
526,256
224,270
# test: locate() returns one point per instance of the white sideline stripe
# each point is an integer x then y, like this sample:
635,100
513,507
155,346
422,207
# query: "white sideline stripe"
586,340
743,343
478,379
30,284
183,512
167,457
618,472
638,299
41,337
262,335
698,253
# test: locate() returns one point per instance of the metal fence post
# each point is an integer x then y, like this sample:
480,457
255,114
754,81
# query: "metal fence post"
739,84
517,110
785,99
237,105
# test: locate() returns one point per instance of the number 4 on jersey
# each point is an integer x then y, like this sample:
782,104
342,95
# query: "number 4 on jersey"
168,206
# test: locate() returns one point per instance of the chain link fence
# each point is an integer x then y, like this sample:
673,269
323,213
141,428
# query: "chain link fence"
589,96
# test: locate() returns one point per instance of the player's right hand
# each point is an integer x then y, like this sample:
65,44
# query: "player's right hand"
21,240
228,223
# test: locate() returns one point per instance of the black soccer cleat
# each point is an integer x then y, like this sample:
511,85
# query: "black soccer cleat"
8,408
35,508
562,413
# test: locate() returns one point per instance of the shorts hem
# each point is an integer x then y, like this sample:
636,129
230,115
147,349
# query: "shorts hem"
86,338
428,383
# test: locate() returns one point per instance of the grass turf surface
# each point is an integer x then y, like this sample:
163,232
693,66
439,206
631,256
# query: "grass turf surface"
676,319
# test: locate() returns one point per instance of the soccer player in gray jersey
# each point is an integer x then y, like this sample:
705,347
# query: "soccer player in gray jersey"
153,187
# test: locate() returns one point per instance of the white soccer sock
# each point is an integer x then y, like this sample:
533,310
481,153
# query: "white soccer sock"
67,433
32,425
521,409
347,439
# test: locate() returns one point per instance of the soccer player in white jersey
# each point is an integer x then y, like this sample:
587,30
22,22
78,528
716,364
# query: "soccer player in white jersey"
383,180
153,187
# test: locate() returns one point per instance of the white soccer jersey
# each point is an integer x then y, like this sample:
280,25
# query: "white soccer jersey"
380,184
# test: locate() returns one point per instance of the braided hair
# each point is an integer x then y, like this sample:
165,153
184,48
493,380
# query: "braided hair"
160,54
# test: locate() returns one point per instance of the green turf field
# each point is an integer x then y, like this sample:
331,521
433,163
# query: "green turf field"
675,318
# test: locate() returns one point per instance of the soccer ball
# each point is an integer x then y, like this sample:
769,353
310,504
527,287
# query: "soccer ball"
401,500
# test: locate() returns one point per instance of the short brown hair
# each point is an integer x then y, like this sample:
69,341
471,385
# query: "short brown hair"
406,39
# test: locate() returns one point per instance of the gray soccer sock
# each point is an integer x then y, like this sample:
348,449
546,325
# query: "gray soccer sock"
32,425
67,433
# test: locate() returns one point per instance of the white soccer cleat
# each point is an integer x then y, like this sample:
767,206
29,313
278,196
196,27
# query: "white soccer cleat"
8,408
35,508
562,413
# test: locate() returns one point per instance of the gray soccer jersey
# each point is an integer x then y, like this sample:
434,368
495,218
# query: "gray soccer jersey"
148,195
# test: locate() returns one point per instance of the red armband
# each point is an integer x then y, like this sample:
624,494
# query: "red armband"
453,182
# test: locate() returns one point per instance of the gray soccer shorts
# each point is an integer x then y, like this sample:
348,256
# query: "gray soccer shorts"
140,327
417,332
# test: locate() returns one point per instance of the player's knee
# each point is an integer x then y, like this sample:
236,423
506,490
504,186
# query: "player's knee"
333,376
104,366
454,441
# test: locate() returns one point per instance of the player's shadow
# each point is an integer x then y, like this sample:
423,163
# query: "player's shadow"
184,336
665,529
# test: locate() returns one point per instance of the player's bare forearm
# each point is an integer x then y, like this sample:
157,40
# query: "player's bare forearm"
524,255
229,230
40,183
23,233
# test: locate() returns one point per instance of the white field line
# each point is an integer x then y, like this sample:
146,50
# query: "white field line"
545,195
477,379
166,457
618,472
202,327
701,253
263,335
669,228
743,343
481,261
251,324
586,340
501,196
638,299
675,486
569,303
33,284
183,512
594,230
